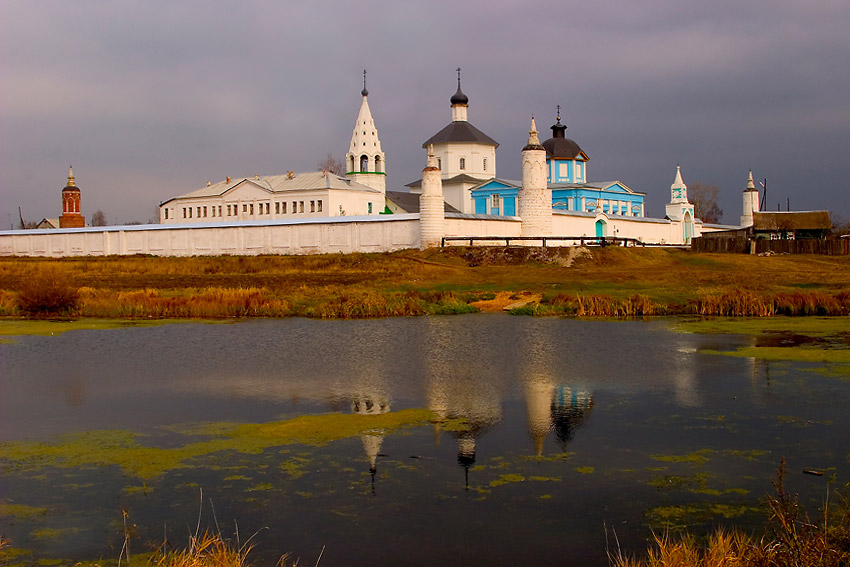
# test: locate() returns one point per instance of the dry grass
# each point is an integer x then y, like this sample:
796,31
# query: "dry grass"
610,282
207,550
792,540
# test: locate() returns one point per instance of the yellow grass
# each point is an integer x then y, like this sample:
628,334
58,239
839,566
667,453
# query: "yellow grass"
614,282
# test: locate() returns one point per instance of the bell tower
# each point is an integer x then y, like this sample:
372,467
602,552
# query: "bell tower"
365,162
71,217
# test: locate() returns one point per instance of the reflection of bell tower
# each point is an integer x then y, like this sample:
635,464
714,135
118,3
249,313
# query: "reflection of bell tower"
373,439
71,217
457,391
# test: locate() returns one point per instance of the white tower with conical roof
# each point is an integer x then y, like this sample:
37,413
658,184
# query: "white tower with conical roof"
680,210
535,197
432,212
751,202
365,162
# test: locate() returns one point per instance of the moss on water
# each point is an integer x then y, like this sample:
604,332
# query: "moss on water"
796,354
586,470
54,533
809,326
48,327
20,511
123,449
697,457
681,516
507,479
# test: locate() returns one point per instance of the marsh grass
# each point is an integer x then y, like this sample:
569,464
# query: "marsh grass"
609,282
791,539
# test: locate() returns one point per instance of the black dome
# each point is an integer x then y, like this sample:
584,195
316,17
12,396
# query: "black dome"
459,97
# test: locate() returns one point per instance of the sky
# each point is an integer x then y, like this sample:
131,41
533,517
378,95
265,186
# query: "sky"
151,99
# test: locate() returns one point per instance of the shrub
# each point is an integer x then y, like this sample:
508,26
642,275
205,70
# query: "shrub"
50,292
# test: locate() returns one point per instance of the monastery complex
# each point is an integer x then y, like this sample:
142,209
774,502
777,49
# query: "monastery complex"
459,198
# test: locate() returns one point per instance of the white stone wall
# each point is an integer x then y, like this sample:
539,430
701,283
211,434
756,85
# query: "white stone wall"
309,236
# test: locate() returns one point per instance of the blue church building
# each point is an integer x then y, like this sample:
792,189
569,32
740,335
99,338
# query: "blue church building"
566,176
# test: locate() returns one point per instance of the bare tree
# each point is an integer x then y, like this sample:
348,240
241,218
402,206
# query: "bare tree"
330,163
704,198
98,218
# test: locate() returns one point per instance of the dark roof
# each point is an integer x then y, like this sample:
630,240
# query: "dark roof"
462,178
410,201
460,131
802,220
562,148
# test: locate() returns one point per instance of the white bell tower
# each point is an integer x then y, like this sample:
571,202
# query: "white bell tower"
365,162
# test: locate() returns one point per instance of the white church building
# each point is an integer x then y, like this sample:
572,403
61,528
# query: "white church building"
459,196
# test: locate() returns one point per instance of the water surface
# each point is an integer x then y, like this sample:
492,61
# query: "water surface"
548,433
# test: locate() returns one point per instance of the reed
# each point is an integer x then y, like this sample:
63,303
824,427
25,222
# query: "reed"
792,539
49,291
207,550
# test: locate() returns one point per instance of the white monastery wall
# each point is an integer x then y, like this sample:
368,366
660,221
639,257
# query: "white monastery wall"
481,225
306,236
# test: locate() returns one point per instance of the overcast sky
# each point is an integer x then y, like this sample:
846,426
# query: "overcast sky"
149,100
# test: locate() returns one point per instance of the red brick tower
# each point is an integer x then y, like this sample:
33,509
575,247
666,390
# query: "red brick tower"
71,217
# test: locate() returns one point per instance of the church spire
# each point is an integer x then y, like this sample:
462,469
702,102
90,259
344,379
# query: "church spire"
678,190
364,161
71,182
558,129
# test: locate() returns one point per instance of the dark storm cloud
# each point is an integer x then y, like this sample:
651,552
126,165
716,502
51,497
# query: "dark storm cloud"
150,99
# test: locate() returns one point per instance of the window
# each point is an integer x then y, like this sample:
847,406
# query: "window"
219,210
364,162
370,208
166,213
320,206
312,206
462,163
485,164
199,212
294,207
439,163
300,206
244,207
277,208
252,208
283,208
190,212
205,211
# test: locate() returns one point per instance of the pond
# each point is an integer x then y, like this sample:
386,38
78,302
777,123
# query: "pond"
467,440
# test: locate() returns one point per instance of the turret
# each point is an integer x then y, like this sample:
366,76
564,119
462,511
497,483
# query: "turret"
535,197
432,212
751,202
460,103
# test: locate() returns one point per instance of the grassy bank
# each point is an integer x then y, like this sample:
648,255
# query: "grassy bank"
601,282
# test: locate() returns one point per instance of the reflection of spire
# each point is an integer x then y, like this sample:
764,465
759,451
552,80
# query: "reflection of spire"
570,409
373,439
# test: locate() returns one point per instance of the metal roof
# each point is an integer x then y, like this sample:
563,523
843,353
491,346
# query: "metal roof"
284,182
409,202
460,131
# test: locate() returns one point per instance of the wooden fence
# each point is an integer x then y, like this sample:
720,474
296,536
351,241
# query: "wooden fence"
831,247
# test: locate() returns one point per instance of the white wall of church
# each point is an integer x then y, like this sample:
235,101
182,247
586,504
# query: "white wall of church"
474,156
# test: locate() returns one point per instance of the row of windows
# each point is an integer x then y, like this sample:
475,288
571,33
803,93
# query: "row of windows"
280,208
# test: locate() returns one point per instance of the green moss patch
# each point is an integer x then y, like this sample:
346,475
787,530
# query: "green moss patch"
123,448
678,517
21,512
697,457
47,327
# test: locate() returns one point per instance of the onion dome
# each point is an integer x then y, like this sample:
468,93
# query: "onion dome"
459,97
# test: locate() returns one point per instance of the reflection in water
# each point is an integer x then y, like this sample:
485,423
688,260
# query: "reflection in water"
458,390
570,410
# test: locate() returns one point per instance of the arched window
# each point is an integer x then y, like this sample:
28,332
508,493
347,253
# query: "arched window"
364,163
378,164
351,164
462,163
